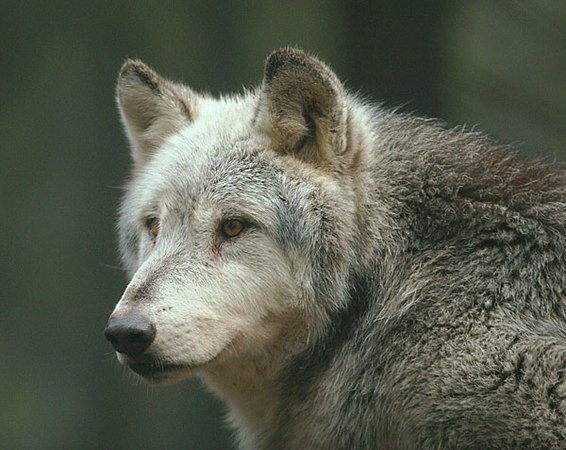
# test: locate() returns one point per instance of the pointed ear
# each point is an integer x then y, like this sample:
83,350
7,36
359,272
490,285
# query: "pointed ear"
302,108
151,108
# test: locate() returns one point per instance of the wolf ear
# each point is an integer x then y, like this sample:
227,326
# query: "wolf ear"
151,108
302,109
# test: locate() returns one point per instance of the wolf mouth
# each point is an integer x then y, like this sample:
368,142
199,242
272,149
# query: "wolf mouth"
155,370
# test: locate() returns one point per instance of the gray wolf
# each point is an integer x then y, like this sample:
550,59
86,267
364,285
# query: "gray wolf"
342,276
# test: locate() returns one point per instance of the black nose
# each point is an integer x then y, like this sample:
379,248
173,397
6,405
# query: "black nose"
131,335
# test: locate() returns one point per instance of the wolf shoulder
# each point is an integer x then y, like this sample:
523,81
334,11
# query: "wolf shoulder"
468,320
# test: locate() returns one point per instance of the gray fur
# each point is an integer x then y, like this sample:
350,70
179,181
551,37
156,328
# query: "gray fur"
399,285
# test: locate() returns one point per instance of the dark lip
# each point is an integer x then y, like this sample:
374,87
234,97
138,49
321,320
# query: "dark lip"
153,370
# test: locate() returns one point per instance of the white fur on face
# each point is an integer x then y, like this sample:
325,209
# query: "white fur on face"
206,295
209,298
201,308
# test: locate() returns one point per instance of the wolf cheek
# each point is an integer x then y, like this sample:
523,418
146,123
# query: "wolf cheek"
186,309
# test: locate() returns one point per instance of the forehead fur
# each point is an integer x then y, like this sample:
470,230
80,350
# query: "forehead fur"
220,151
212,151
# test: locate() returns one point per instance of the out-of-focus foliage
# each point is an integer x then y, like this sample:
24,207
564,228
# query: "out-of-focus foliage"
505,69
500,65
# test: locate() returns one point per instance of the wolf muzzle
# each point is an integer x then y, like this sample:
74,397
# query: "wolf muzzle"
131,335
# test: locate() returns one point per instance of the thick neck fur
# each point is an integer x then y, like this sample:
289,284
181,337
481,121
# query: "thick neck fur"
266,391
248,386
251,384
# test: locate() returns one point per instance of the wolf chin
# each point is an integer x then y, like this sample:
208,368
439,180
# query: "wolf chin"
342,276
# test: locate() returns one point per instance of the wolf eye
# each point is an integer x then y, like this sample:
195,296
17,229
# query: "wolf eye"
153,226
232,228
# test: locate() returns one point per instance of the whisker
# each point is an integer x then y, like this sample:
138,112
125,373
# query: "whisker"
111,266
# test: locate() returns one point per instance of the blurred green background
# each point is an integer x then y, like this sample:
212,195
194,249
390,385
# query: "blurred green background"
497,66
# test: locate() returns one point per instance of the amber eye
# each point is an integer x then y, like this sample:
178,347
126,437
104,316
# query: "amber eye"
232,228
153,226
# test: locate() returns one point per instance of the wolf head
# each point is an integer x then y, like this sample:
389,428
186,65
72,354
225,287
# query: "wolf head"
236,228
